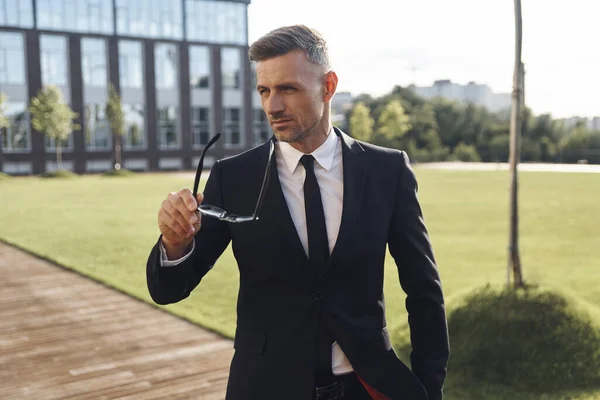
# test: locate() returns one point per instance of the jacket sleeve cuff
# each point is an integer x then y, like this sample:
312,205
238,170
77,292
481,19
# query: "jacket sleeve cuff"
165,262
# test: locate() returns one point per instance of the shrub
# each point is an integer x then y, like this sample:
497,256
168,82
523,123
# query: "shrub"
58,174
119,172
533,341
465,152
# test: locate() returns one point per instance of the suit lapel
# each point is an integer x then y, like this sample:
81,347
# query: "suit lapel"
283,211
275,205
354,182
275,208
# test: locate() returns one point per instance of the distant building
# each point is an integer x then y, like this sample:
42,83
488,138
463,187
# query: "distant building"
181,68
571,122
341,103
481,95
592,124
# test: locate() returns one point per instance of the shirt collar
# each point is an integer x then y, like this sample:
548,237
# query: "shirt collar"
324,155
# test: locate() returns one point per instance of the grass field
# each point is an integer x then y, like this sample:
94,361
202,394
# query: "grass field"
104,227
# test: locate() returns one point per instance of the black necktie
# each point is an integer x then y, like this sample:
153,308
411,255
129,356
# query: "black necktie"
318,245
318,250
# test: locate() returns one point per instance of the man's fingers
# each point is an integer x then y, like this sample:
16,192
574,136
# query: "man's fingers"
178,218
179,203
170,234
188,199
199,198
166,220
185,221
182,231
198,223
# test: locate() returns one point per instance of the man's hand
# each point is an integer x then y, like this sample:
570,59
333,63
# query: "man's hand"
178,221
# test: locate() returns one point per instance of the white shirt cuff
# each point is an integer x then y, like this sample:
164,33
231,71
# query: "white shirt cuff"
165,262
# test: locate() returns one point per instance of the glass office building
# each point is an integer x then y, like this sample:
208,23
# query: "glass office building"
180,66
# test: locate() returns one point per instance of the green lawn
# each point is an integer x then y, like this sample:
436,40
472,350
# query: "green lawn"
104,228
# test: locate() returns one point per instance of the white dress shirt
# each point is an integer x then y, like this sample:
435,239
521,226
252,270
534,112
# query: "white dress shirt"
330,175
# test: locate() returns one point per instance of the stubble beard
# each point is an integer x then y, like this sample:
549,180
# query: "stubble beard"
297,136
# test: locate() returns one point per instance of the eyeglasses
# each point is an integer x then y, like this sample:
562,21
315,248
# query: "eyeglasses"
219,213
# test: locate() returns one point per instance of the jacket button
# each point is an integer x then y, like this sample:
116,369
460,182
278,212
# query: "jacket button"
311,342
317,295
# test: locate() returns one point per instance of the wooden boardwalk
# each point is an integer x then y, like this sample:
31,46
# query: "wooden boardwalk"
63,336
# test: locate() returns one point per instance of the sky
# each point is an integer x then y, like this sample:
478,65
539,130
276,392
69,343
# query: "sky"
377,44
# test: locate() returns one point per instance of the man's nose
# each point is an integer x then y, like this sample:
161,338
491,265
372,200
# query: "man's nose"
275,105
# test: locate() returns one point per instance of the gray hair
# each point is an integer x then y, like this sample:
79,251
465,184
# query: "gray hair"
289,38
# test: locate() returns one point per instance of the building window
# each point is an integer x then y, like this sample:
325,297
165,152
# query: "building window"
13,84
131,76
53,51
260,126
66,145
166,65
95,88
150,18
97,129
199,67
231,65
232,123
166,69
12,58
93,58
130,64
200,126
200,95
93,16
134,137
167,128
216,21
16,137
16,13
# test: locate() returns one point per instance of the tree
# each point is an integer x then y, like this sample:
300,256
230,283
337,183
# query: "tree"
449,117
514,258
499,147
424,128
361,123
580,144
422,141
472,124
548,149
466,152
411,99
135,134
528,122
392,124
451,123
496,128
52,117
4,122
546,132
116,119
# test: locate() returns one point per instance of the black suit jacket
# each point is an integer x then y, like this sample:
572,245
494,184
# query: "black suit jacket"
281,298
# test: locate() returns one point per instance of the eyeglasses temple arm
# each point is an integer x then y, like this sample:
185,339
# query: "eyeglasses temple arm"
201,163
263,188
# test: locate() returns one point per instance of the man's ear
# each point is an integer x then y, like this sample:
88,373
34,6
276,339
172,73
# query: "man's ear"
330,85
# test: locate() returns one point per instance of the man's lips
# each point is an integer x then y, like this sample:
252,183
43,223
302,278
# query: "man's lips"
280,121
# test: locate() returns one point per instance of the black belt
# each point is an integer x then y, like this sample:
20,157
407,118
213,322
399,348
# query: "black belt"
333,387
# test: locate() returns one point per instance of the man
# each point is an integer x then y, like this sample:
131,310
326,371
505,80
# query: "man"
311,320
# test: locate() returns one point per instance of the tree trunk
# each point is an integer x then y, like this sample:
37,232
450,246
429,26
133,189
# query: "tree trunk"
118,164
58,146
514,260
